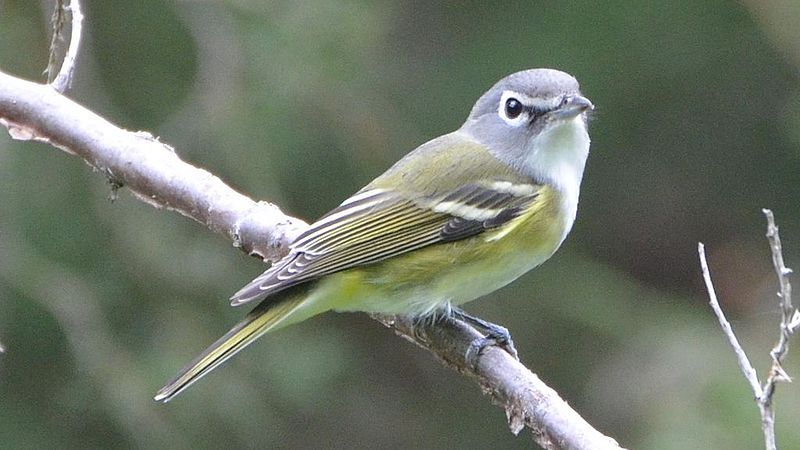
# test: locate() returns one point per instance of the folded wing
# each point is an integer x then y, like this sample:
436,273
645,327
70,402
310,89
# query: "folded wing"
377,224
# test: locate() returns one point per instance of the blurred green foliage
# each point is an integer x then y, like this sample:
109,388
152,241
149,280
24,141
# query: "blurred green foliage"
302,103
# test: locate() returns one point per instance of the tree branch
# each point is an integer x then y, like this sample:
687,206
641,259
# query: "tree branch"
149,168
156,175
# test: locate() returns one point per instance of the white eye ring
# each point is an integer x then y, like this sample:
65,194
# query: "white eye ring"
511,114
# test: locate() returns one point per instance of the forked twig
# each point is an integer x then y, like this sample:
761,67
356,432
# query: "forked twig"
790,322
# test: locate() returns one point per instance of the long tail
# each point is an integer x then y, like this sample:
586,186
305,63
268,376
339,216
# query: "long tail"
267,316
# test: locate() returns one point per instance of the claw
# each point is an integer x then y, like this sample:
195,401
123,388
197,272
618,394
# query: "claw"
496,335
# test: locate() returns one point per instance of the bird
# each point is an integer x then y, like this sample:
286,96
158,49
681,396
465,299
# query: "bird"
457,218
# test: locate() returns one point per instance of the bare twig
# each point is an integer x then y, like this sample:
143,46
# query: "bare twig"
58,20
61,81
788,312
767,416
790,321
741,357
158,176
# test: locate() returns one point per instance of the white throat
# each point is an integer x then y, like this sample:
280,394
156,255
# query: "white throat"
558,158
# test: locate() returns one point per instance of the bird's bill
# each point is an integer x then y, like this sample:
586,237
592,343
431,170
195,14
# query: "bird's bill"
573,106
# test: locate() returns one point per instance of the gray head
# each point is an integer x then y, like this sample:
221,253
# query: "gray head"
535,120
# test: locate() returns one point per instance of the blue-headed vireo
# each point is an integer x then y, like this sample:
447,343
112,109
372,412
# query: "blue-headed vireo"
457,218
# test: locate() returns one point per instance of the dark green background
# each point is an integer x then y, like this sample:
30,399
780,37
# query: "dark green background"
301,103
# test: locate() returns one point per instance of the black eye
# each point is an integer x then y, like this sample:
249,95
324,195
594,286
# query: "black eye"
513,108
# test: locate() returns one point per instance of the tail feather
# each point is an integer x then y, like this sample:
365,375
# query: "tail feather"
267,316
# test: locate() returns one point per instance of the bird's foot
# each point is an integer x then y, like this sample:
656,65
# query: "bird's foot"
496,335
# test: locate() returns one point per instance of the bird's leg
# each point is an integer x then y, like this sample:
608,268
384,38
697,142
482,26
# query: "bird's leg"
495,335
